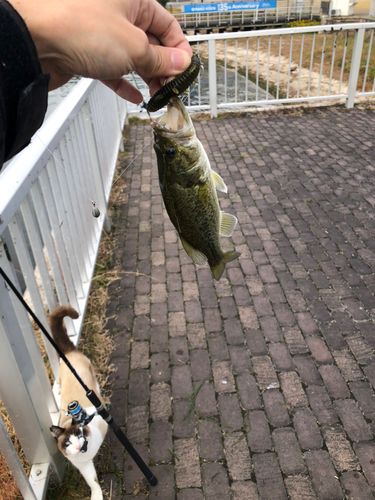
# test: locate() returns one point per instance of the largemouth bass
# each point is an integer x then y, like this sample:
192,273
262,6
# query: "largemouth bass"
188,186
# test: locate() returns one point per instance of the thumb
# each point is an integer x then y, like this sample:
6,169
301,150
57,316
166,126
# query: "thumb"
162,61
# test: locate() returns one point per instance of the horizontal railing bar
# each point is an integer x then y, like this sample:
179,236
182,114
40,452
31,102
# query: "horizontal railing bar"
30,162
271,102
283,31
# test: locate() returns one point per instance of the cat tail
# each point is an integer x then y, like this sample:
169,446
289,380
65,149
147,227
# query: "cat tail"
57,327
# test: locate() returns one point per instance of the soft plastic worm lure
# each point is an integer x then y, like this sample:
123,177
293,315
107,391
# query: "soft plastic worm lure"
175,87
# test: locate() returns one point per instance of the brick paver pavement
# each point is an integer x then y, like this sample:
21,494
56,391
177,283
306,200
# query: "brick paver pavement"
280,351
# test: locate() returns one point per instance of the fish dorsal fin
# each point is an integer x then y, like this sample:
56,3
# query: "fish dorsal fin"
219,183
227,224
197,256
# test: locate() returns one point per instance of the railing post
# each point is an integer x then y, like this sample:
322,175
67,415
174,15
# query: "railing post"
355,65
21,390
212,78
14,464
372,8
95,166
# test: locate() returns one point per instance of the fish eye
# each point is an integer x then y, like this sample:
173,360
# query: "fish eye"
171,152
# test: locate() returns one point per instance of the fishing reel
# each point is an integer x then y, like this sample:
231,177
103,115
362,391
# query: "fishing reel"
80,417
78,414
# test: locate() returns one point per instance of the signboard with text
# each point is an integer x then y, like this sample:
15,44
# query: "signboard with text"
228,7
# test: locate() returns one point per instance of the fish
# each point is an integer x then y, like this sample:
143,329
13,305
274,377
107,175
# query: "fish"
188,186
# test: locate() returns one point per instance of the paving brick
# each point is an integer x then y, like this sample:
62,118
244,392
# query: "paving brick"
352,419
361,350
307,430
137,423
200,365
205,401
190,494
209,299
187,469
240,359
230,411
218,348
347,365
292,389
244,490
132,474
265,373
181,382
160,441
366,456
177,324
276,408
307,370
248,391
333,337
281,358
178,348
212,320
233,331
259,438
215,482
166,486
355,486
210,441
288,451
319,350
284,315
306,324
271,329
223,377
321,405
269,480
256,343
193,311
300,488
237,456
294,339
183,419
160,401
138,387
339,448
158,339
364,395
334,382
160,371
324,476
196,336
248,317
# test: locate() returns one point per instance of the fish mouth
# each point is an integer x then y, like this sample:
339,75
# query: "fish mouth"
176,122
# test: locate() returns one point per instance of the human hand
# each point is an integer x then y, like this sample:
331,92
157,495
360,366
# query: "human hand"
106,39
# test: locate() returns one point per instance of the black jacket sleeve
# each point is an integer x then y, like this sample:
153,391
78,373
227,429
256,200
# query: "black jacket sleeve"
23,87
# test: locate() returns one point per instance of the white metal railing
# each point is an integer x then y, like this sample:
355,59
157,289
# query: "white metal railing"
283,66
49,242
281,14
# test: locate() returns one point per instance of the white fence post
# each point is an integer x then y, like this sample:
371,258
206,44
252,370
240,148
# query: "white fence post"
14,464
21,389
212,77
355,65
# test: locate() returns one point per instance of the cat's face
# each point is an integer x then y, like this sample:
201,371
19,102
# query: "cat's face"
71,439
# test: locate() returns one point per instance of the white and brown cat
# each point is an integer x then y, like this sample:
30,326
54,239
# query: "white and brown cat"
79,444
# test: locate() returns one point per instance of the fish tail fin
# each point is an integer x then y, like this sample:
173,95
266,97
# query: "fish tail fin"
218,270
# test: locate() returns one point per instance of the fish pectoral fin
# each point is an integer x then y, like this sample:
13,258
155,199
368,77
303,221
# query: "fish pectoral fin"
219,183
218,270
227,224
197,256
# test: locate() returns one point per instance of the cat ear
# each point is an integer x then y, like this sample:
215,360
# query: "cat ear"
56,431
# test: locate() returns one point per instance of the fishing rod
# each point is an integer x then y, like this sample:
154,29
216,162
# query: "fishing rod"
90,394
